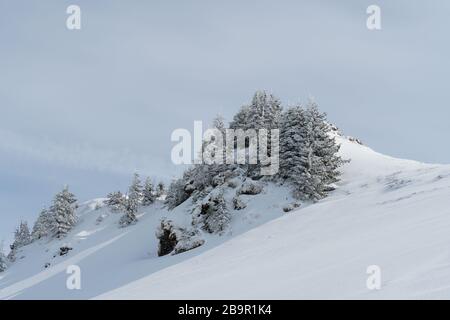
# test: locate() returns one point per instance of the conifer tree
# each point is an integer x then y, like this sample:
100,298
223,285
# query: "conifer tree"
160,189
135,192
214,149
325,146
176,193
264,112
22,237
308,155
132,202
292,137
241,119
3,259
215,214
42,226
129,217
148,193
219,123
62,213
116,201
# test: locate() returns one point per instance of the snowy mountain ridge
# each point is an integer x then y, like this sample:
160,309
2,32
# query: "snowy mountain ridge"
388,212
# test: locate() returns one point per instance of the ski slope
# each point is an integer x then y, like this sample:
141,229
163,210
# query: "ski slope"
387,212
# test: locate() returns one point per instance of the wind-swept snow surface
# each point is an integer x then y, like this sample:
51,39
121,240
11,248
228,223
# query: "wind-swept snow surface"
387,212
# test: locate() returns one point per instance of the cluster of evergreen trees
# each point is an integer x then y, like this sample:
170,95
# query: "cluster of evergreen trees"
308,161
307,152
60,218
55,222
138,195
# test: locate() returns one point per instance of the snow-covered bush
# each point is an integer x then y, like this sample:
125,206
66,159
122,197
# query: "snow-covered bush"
128,218
234,183
250,187
188,240
218,180
238,203
175,240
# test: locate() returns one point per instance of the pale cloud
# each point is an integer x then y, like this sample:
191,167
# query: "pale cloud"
76,155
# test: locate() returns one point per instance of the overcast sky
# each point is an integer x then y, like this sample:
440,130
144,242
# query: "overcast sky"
89,107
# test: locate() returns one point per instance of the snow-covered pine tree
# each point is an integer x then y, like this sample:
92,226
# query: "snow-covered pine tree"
326,147
308,155
42,226
116,201
241,119
62,213
148,193
12,254
132,203
135,192
160,189
219,123
176,193
214,213
129,217
22,237
292,138
265,111
211,148
3,259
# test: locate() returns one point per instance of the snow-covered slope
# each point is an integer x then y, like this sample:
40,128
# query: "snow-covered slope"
387,212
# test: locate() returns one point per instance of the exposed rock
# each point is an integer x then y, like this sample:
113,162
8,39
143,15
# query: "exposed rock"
291,206
174,240
356,140
64,250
